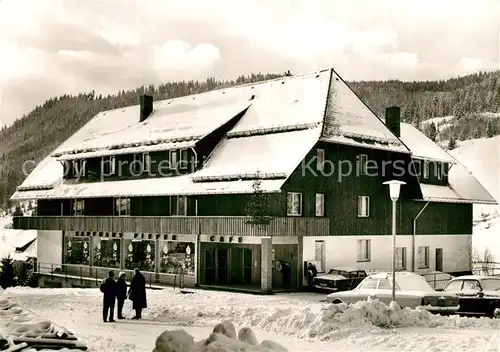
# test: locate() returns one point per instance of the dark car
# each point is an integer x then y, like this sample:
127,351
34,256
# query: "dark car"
339,279
479,295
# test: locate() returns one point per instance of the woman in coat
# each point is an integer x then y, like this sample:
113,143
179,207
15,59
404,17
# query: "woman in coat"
137,293
121,293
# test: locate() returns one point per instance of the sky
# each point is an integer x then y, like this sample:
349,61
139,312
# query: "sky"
51,47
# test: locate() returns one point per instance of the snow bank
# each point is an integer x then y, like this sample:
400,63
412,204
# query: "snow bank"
222,339
309,320
22,330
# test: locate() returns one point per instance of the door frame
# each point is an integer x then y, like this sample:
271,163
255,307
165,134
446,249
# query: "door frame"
440,256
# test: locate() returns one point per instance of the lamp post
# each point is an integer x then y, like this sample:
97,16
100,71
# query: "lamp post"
394,189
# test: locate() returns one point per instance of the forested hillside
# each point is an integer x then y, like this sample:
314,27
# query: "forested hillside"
35,135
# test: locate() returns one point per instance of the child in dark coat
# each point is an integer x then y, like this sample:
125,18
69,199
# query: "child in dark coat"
121,293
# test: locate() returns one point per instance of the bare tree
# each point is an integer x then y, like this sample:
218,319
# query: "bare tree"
478,262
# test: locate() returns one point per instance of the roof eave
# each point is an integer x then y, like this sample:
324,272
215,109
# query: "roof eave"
356,144
455,200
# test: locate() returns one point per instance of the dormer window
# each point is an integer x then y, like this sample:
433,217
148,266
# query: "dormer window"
426,169
79,168
173,159
440,171
184,159
108,165
141,163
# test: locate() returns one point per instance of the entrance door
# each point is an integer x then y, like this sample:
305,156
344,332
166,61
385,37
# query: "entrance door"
247,266
210,266
439,259
222,267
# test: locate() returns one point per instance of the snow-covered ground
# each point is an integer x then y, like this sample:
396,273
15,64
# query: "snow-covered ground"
299,322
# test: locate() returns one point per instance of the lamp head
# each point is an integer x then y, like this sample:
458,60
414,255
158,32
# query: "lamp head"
394,188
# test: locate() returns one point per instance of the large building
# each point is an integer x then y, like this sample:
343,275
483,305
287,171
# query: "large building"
239,187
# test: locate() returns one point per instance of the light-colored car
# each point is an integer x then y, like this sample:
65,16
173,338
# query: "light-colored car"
411,291
479,294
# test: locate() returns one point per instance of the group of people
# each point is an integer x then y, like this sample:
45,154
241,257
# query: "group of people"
116,292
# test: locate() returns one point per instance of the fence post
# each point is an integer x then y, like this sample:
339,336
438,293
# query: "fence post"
51,271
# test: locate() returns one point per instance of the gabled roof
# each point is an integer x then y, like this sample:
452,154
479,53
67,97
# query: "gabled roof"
348,120
463,186
281,121
482,156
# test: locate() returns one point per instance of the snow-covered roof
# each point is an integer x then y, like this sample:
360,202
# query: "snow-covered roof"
348,120
164,186
422,147
10,240
482,157
281,120
276,154
462,187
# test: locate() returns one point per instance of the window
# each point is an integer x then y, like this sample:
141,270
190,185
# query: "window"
294,204
426,169
401,258
76,250
179,206
122,206
146,162
439,171
471,285
320,159
140,254
173,159
320,204
368,284
418,166
384,284
184,161
364,250
108,166
363,164
176,255
423,257
78,207
141,163
79,168
363,206
319,255
454,286
106,252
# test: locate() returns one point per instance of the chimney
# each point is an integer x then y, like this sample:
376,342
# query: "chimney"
146,106
393,119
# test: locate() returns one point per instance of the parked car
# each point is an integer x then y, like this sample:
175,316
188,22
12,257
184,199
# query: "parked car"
411,291
339,279
479,295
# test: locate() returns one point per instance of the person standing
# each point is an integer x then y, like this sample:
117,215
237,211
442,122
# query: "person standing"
108,288
121,293
137,293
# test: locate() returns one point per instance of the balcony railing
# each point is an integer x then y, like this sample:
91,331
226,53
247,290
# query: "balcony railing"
209,225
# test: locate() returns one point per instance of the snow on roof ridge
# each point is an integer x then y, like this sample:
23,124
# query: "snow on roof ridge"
298,75
243,177
272,129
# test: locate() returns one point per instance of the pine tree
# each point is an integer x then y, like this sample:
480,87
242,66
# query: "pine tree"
258,206
452,143
432,132
491,129
18,211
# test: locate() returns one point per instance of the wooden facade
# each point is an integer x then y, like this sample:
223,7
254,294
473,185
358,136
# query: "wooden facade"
228,225
225,260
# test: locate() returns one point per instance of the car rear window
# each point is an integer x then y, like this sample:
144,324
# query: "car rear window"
490,284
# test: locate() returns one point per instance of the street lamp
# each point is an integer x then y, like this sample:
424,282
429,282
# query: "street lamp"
394,189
